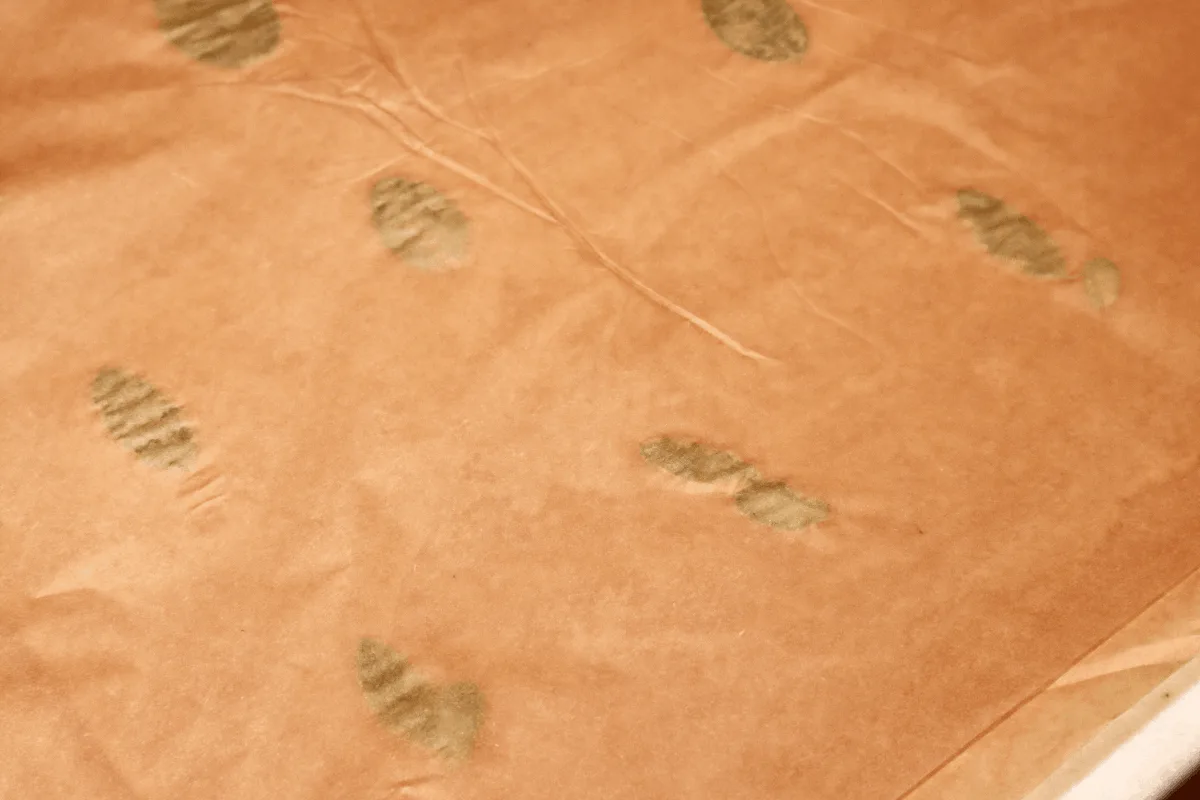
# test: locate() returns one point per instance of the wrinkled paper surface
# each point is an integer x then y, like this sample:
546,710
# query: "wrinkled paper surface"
667,237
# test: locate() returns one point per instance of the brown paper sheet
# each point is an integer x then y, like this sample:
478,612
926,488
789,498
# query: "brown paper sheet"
399,290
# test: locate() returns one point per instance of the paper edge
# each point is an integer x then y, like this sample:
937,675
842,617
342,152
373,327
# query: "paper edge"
1144,753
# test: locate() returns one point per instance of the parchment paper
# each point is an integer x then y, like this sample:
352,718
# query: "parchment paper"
665,237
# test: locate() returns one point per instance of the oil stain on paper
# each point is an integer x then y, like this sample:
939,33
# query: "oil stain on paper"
141,418
221,33
1101,282
698,463
768,502
419,223
1010,235
444,719
773,503
769,30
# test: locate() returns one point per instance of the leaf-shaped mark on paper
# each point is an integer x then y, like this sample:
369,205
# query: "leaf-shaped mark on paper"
1010,235
223,33
138,416
769,30
773,503
443,719
1101,282
419,223
697,462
